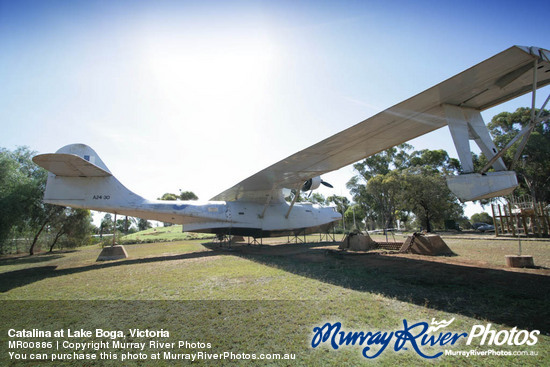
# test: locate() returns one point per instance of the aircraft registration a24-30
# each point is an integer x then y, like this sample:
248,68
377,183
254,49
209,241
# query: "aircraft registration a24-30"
256,207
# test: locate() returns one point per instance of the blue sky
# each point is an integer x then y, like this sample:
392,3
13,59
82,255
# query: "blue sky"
200,95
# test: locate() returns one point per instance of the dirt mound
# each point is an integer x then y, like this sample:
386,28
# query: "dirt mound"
357,242
420,244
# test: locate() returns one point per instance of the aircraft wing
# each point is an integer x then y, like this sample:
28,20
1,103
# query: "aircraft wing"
498,79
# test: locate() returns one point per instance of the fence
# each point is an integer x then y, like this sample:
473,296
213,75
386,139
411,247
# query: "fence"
517,217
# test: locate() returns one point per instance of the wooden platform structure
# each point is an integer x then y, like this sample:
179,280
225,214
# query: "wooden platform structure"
521,216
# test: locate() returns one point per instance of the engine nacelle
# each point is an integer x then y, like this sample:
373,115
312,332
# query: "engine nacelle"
312,184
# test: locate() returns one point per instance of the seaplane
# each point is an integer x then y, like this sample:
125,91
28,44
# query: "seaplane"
257,207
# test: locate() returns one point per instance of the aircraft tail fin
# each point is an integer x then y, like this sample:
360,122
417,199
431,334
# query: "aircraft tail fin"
79,178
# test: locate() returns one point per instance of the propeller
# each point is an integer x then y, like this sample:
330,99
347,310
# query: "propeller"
326,184
314,182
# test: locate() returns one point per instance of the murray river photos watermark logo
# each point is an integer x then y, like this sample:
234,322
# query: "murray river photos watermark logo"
418,337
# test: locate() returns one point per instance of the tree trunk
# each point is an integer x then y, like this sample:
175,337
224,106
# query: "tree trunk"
57,236
428,222
31,250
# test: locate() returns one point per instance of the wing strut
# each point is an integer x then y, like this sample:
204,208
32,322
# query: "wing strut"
296,196
267,201
526,131
467,123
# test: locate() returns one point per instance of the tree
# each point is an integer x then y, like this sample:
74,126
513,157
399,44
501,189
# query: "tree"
23,213
183,195
168,196
392,184
374,188
383,195
532,169
377,185
317,198
58,227
481,218
434,161
143,224
22,186
384,162
106,225
426,195
44,215
121,225
188,195
127,225
292,194
75,227
342,203
355,214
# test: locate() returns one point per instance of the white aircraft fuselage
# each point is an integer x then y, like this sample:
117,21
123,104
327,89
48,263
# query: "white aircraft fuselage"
233,218
103,192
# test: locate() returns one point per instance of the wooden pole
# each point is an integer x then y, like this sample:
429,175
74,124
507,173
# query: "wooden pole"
525,228
114,231
544,219
495,223
507,218
511,218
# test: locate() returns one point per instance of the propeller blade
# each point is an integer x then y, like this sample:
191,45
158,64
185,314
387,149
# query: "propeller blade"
307,185
327,184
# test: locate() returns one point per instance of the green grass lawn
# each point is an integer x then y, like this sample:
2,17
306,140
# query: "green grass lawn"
258,301
161,234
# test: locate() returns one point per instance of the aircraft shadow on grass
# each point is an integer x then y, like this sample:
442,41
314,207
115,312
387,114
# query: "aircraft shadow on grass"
30,259
491,295
19,278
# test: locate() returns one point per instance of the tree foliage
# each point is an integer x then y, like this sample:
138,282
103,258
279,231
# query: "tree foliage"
188,195
342,204
24,218
183,195
426,195
21,187
143,224
106,225
72,228
168,196
355,215
532,168
317,198
394,184
481,218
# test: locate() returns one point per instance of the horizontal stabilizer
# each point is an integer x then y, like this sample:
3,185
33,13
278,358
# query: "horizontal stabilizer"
69,165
